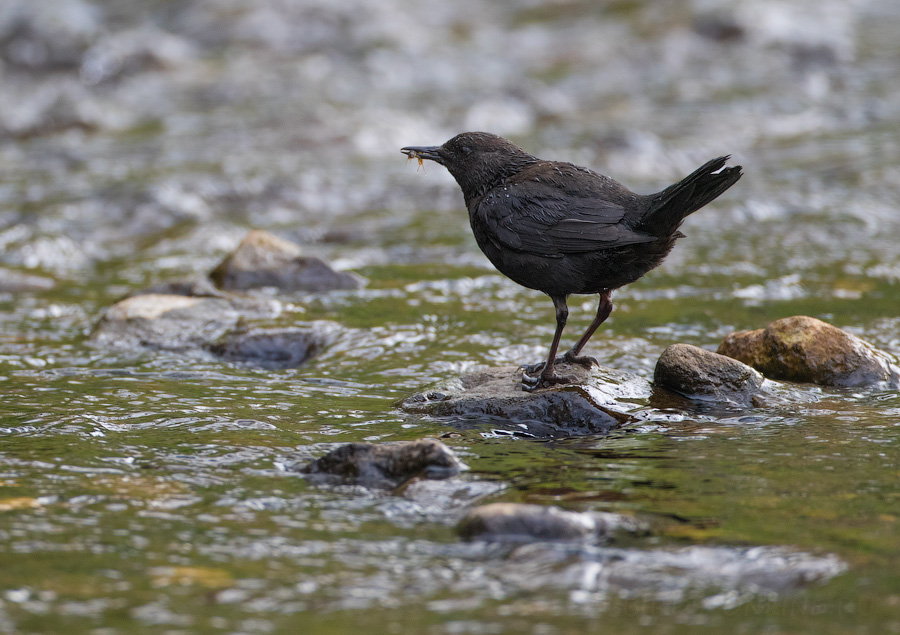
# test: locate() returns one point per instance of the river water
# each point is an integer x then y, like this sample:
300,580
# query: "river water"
146,491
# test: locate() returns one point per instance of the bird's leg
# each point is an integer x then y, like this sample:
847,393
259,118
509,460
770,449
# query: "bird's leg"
562,315
548,377
572,355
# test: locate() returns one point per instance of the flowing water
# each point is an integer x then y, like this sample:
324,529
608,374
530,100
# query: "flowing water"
146,491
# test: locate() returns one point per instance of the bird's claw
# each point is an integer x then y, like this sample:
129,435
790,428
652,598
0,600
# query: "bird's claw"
532,369
582,360
530,383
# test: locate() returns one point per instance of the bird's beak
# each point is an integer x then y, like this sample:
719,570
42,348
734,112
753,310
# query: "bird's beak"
432,153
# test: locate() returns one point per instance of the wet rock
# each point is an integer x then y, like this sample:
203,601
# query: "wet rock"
600,400
386,464
698,373
522,522
275,347
12,281
252,307
264,260
805,349
167,322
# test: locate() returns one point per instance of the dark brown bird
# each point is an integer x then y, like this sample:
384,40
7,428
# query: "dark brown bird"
563,229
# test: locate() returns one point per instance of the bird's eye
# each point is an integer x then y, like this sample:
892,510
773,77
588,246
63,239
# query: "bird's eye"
466,150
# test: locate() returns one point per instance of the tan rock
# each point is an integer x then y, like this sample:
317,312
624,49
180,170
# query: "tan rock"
805,349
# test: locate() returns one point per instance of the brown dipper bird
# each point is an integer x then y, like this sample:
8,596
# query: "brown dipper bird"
563,229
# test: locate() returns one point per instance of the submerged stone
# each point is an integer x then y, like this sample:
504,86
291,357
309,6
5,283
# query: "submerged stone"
247,305
725,577
804,349
386,464
444,500
599,400
698,373
522,522
264,260
275,347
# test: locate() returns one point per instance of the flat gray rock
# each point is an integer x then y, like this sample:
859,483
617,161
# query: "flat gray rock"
600,400
168,322
249,305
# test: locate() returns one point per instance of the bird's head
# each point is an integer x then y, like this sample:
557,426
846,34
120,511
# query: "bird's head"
477,160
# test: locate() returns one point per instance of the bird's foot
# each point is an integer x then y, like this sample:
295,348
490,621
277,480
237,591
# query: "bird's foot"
582,360
531,382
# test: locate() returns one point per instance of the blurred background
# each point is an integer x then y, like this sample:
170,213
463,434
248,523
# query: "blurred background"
133,128
145,491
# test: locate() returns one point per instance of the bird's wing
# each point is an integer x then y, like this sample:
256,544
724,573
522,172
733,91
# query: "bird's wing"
543,219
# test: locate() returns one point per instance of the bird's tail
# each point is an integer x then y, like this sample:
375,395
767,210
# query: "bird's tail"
671,206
